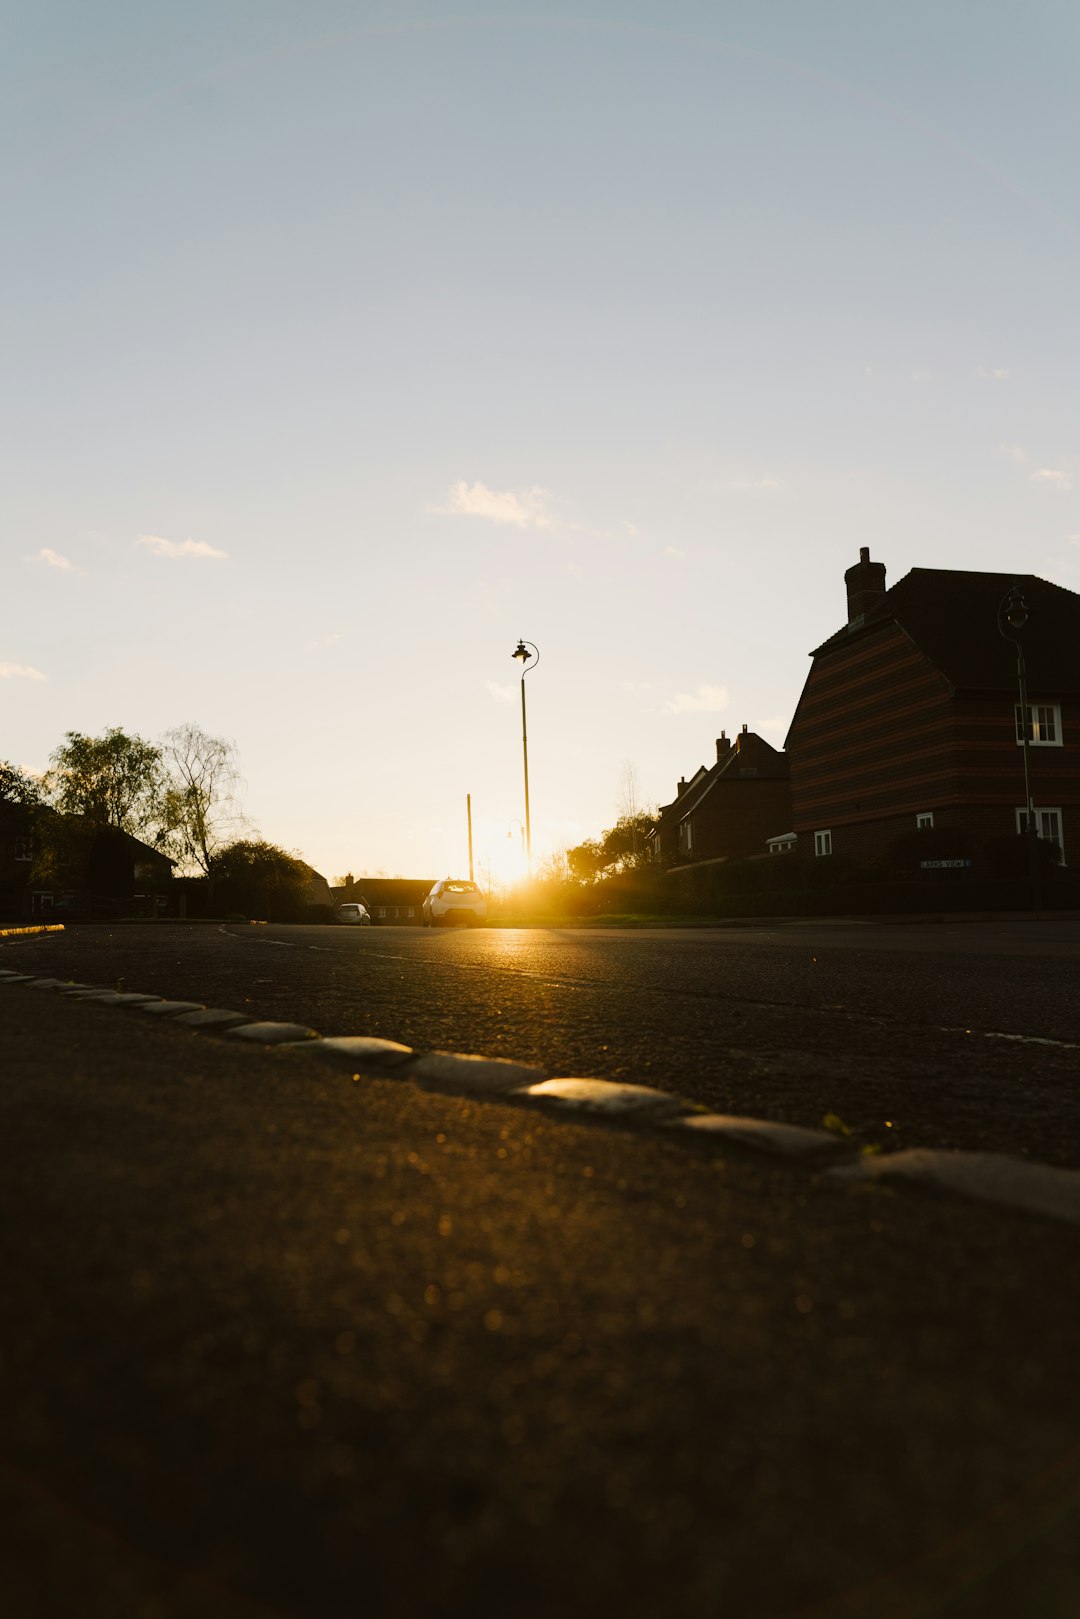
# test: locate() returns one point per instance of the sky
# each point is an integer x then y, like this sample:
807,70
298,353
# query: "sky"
346,342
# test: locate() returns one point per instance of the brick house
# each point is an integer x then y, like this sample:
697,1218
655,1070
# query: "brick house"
87,867
910,717
730,809
16,858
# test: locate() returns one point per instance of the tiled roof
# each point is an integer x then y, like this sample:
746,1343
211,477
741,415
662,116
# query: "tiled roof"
952,617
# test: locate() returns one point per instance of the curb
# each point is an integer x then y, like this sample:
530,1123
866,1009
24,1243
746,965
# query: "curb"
993,1178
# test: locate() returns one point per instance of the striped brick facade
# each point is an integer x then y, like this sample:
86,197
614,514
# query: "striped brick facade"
912,709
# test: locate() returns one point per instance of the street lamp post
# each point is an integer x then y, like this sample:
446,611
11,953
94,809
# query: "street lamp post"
527,659
1013,615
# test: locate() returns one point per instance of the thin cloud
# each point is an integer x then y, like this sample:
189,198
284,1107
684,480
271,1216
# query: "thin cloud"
19,671
523,509
1014,453
920,374
160,547
502,694
673,551
706,700
53,559
1050,478
325,640
994,373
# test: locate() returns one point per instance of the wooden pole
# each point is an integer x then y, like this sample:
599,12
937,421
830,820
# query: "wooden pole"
468,812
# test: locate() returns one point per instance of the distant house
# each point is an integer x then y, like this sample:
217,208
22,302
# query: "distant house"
730,809
389,899
318,891
910,717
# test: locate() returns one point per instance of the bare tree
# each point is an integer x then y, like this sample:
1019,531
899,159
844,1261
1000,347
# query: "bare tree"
628,791
203,795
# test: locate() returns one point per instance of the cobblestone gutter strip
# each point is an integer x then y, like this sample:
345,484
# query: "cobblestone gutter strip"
987,1177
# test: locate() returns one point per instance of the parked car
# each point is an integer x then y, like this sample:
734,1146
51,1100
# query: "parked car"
355,915
453,900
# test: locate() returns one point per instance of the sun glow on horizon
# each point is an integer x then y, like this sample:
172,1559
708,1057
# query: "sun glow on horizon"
500,856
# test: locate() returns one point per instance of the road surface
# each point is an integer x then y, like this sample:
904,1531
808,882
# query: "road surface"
962,1035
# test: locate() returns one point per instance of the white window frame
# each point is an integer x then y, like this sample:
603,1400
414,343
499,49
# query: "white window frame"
924,820
1044,725
24,849
1050,824
823,842
686,835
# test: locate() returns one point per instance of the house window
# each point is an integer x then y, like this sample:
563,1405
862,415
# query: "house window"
924,820
23,849
1043,725
1047,825
686,837
823,842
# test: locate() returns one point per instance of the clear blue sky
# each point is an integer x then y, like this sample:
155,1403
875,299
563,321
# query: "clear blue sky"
346,343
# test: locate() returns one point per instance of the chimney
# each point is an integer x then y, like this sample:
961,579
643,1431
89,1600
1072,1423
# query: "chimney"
865,586
722,746
746,748
681,788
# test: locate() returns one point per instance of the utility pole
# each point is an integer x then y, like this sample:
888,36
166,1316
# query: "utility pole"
468,812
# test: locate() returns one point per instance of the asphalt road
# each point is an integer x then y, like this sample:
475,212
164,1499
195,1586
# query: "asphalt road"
277,1342
961,1035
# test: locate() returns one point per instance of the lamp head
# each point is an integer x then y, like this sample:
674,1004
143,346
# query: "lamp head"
1013,611
522,653
1017,613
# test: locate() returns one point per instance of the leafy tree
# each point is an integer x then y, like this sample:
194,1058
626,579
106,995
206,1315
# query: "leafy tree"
257,878
585,861
201,803
625,845
115,780
16,787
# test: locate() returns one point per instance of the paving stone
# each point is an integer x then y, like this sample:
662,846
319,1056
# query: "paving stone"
170,1008
605,1097
988,1176
213,1017
460,1072
363,1048
15,978
271,1034
785,1140
52,983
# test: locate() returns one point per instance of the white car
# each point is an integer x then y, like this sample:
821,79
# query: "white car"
358,916
453,900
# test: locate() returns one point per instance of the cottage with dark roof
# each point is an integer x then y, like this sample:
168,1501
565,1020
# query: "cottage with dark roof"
911,718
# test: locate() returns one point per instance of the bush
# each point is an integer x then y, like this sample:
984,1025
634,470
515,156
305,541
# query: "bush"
257,879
